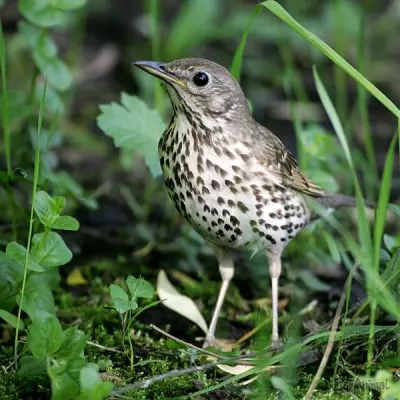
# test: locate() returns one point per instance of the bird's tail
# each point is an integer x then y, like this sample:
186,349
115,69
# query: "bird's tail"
336,200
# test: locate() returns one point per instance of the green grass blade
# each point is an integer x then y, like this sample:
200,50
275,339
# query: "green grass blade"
32,220
383,200
238,57
364,229
281,13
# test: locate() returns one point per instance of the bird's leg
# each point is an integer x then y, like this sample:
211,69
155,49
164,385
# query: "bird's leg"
226,269
275,268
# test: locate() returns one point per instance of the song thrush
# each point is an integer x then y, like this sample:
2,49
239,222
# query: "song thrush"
230,177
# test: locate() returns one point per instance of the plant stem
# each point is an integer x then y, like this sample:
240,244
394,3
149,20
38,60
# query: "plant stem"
31,221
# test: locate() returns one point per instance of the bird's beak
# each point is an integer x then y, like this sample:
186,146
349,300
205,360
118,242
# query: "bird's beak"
158,70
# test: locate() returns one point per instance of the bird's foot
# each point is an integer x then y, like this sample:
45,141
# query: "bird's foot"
209,341
276,344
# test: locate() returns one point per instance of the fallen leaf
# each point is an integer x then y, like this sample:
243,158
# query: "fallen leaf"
175,301
76,278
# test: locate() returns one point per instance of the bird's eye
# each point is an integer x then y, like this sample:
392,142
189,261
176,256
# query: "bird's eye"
200,79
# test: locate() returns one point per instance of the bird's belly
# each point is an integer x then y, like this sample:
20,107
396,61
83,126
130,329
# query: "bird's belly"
236,213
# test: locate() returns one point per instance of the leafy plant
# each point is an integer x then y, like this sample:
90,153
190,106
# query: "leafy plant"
125,303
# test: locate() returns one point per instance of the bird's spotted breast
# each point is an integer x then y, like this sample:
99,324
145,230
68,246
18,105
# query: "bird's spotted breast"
226,198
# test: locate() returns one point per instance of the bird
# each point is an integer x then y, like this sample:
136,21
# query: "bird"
230,177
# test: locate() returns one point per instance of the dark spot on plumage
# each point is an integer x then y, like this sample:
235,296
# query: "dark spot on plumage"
213,223
261,234
190,175
261,221
234,220
209,229
244,189
286,207
228,153
220,221
289,230
200,169
214,211
221,232
275,200
283,239
162,161
204,218
253,223
259,199
287,215
272,215
227,227
231,203
275,227
215,185
200,200
237,231
220,201
207,208
199,159
167,163
256,192
268,188
209,164
199,181
268,226
233,238
259,213
233,189
189,194
228,182
183,207
182,196
259,206
253,186
296,226
255,230
205,190
290,236
244,157
242,207
183,159
237,179
218,151
270,238
236,169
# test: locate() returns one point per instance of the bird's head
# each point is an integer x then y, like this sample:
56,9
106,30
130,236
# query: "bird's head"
199,85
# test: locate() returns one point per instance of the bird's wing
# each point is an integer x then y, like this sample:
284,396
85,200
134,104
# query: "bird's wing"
281,163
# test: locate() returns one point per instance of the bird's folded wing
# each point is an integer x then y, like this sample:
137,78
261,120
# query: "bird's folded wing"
283,165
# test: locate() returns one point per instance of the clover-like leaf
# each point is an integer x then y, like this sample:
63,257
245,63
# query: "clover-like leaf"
139,287
45,335
133,125
66,223
49,249
17,253
44,13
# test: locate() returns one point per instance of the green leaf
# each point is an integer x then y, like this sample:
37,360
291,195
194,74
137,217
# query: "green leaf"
49,249
31,366
72,345
283,387
65,385
66,223
92,387
69,4
139,287
45,335
133,125
119,298
55,70
37,39
48,209
17,253
11,319
37,298
42,12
